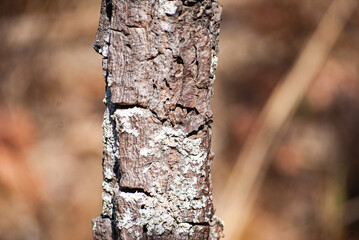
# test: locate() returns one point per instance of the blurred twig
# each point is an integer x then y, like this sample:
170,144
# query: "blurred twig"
246,177
351,211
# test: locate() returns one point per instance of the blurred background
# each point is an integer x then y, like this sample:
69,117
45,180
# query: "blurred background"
51,91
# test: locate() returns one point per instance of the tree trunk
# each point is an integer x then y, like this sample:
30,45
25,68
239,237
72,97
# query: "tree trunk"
159,62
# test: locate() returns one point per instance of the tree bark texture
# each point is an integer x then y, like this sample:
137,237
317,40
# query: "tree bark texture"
159,58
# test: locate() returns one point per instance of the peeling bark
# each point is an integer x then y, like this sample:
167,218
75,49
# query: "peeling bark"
159,58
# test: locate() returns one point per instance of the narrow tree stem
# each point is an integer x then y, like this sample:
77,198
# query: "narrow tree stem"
159,62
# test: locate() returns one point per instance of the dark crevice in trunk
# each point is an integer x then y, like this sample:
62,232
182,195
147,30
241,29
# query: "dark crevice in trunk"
134,190
195,132
167,85
109,9
128,106
199,224
188,109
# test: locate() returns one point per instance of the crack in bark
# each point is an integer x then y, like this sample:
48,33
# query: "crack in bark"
188,109
178,60
198,224
134,190
190,3
120,31
196,132
109,9
167,85
130,106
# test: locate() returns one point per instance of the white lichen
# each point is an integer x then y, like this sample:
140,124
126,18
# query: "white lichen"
155,218
216,221
155,215
212,70
104,51
192,158
108,174
107,187
146,152
162,211
124,116
184,228
167,8
108,137
107,205
214,62
106,37
112,155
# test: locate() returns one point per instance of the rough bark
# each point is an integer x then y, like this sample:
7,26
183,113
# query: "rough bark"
159,58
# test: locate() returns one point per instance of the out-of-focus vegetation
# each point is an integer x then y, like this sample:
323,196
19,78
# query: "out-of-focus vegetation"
51,91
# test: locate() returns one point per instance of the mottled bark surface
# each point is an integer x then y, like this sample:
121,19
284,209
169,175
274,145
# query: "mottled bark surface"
159,62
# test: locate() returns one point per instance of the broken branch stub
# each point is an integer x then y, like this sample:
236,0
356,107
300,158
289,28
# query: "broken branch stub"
159,58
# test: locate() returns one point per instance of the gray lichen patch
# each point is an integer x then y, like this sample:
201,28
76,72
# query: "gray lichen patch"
124,122
168,8
143,212
111,157
166,164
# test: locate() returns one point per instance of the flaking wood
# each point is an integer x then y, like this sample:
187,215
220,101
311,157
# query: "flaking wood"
159,58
